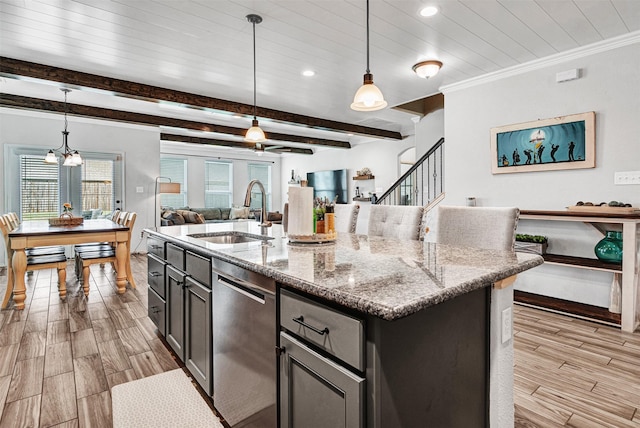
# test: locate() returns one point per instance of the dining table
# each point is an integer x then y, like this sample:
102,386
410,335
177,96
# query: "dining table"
39,233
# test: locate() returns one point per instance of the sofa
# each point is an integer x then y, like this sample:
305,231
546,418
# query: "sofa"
186,215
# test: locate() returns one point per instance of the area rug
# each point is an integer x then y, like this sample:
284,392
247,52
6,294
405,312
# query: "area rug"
166,400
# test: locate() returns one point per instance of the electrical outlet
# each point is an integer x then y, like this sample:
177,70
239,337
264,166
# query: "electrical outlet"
626,177
507,329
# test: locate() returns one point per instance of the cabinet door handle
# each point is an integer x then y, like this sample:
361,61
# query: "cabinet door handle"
300,320
154,309
154,274
280,350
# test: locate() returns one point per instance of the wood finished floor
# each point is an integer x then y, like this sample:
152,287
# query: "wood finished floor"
58,360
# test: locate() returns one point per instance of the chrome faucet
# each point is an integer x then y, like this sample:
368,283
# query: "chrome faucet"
247,203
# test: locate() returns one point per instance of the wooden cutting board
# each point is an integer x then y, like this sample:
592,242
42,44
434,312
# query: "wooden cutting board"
604,209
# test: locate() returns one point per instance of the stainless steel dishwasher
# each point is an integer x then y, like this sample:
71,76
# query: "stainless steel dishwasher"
244,358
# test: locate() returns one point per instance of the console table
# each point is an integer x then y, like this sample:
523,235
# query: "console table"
625,274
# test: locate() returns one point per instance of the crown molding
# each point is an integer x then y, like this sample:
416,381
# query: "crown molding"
559,58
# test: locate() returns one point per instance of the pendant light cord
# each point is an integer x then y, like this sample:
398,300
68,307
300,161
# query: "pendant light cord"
368,71
65,110
254,70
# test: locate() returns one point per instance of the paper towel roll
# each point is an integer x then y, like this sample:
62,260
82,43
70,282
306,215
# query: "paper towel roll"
300,211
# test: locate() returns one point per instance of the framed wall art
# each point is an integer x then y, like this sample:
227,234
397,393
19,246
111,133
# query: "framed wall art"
566,142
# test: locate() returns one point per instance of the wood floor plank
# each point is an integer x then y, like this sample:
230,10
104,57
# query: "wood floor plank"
22,413
58,359
26,380
5,381
122,319
98,311
537,412
69,424
133,341
83,343
58,400
39,305
58,331
145,364
104,330
36,322
114,357
147,328
89,375
11,332
32,345
59,312
8,358
136,309
79,321
121,377
94,411
162,354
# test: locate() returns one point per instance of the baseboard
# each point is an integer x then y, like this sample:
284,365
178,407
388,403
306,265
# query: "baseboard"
578,310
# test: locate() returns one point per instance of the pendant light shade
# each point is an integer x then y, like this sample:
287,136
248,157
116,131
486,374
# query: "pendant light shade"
71,158
368,97
254,134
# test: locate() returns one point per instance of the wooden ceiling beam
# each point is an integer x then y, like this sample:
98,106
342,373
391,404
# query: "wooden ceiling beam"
14,68
165,136
29,103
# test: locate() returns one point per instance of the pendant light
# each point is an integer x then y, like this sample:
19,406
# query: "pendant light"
71,158
368,97
254,134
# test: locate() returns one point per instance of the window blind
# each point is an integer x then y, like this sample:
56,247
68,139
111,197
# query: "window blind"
176,170
260,172
218,190
39,188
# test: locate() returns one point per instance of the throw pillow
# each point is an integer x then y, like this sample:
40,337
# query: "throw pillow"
237,213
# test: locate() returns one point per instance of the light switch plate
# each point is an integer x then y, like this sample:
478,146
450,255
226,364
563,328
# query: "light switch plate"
139,189
626,177
507,326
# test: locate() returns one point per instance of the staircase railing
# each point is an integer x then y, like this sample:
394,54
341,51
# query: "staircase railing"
422,183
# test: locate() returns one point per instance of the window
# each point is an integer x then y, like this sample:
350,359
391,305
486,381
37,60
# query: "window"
97,185
260,172
36,190
218,186
39,188
176,170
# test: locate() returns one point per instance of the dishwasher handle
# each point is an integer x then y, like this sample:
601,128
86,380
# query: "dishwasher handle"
246,291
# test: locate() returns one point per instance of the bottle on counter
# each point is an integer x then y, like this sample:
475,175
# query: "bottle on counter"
330,220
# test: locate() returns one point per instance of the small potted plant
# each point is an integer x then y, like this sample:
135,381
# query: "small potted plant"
536,244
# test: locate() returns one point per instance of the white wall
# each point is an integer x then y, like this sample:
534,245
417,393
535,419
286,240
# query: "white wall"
140,146
610,86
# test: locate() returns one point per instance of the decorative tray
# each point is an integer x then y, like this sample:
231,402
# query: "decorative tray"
316,238
604,209
66,221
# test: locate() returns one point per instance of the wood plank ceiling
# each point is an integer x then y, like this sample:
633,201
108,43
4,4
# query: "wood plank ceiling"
205,48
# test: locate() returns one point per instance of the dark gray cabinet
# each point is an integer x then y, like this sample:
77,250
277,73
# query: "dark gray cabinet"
156,266
321,361
198,355
175,280
189,329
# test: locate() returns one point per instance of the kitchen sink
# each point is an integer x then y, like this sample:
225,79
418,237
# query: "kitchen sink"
229,237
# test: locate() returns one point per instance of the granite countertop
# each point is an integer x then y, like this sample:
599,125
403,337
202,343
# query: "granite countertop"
383,277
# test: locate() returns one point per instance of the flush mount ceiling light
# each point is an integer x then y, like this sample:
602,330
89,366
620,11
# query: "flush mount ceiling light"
368,97
254,134
71,158
428,11
426,69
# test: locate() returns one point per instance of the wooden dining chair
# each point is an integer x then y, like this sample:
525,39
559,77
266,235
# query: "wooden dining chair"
106,255
117,216
34,262
14,222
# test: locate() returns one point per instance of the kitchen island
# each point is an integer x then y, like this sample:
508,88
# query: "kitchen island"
369,331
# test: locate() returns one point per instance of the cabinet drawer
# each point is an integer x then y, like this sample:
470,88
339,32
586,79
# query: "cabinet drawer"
199,267
156,274
155,246
337,333
157,311
175,256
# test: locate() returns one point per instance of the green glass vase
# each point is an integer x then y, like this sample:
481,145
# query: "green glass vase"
609,248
